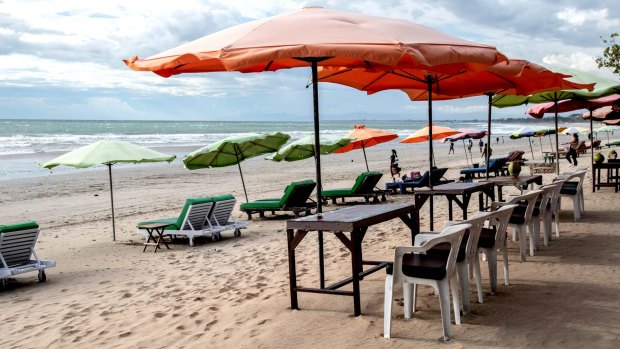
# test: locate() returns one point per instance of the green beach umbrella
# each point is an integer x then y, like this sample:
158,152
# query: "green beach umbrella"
607,129
303,148
525,132
234,149
603,87
108,153
547,131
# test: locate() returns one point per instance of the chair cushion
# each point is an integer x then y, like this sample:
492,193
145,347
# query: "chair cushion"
569,188
263,204
295,187
425,266
443,249
172,221
224,197
18,226
487,238
188,203
518,215
337,192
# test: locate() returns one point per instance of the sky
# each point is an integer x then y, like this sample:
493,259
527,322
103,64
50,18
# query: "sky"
63,59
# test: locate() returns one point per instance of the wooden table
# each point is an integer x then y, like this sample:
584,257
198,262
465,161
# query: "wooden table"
157,228
355,220
451,191
613,175
522,182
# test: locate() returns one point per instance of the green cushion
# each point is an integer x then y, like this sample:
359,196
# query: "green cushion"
291,187
261,205
223,197
18,226
360,179
189,202
172,221
269,199
337,192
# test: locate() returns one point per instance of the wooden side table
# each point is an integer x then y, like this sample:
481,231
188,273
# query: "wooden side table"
158,229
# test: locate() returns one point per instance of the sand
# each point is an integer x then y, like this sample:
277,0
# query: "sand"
234,293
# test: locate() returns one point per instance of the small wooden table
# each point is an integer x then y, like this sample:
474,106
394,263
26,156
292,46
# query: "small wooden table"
522,182
613,175
354,220
157,228
451,191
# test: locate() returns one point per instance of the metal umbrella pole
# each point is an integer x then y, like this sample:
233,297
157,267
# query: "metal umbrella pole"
557,139
241,172
365,159
488,155
112,201
429,83
592,150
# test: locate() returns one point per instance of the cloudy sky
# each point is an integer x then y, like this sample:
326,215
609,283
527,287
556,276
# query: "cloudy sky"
63,59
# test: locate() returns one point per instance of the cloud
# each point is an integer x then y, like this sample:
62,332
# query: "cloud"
451,109
574,18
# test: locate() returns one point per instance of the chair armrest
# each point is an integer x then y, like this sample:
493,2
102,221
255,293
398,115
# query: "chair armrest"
422,238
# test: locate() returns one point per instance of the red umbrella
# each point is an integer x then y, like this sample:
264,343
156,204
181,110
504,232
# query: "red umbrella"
366,137
463,135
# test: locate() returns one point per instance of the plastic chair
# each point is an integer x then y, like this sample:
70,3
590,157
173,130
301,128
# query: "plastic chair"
411,267
574,191
539,214
521,218
553,209
493,239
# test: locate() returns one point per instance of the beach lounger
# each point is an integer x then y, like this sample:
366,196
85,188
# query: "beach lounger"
295,199
191,222
364,186
496,168
17,254
402,186
221,216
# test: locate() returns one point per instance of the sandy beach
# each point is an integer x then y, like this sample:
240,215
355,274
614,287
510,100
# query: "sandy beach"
234,293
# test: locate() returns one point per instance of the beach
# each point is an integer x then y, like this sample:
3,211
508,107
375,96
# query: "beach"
235,293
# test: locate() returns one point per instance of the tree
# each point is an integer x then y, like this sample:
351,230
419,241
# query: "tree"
611,54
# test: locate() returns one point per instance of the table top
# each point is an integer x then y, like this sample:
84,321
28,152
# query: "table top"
607,165
512,180
153,225
455,188
351,218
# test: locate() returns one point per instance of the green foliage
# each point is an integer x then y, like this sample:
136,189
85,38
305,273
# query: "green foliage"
611,54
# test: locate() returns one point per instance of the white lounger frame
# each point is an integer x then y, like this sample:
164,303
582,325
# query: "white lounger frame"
16,248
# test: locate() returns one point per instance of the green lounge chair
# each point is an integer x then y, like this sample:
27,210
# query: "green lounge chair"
221,216
16,249
191,222
295,199
364,187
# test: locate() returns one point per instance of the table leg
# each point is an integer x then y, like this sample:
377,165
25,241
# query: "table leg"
290,235
449,208
499,193
321,261
148,240
430,204
161,238
466,198
355,262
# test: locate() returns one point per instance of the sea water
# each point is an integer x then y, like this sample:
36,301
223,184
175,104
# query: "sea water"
26,143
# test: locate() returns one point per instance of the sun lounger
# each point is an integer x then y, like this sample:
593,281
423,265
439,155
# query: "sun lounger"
402,186
364,186
496,167
612,144
221,216
295,199
16,249
191,222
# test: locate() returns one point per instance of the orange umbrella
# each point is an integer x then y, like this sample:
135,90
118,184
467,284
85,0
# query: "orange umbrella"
422,135
315,36
366,137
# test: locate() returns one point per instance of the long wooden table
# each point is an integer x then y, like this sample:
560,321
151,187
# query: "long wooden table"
521,182
354,220
451,191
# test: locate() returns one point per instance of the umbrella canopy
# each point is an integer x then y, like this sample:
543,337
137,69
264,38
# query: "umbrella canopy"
234,149
539,110
108,153
525,132
315,36
463,135
365,137
603,114
303,148
607,128
575,129
422,135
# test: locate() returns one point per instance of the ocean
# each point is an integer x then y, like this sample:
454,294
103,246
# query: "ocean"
25,143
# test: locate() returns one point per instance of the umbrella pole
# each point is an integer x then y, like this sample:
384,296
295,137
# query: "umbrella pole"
541,148
592,150
112,202
488,155
557,139
317,160
429,83
465,150
241,172
550,144
365,159
529,140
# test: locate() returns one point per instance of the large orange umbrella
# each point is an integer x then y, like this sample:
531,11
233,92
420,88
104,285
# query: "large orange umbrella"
315,36
366,137
433,132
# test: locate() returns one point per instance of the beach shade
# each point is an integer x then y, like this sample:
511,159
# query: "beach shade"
433,132
575,129
303,148
603,87
365,137
463,135
525,132
234,149
108,153
607,129
547,131
314,36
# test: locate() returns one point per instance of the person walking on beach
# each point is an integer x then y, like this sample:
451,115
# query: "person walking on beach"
484,152
497,140
451,151
572,150
470,145
481,145
394,169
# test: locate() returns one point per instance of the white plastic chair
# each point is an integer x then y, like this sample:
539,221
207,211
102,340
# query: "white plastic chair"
574,190
411,266
493,239
469,258
552,210
539,214
521,219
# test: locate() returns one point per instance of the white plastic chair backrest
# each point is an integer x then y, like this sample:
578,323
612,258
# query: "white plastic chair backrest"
499,219
222,210
552,191
545,196
477,222
196,216
452,235
530,197
17,246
